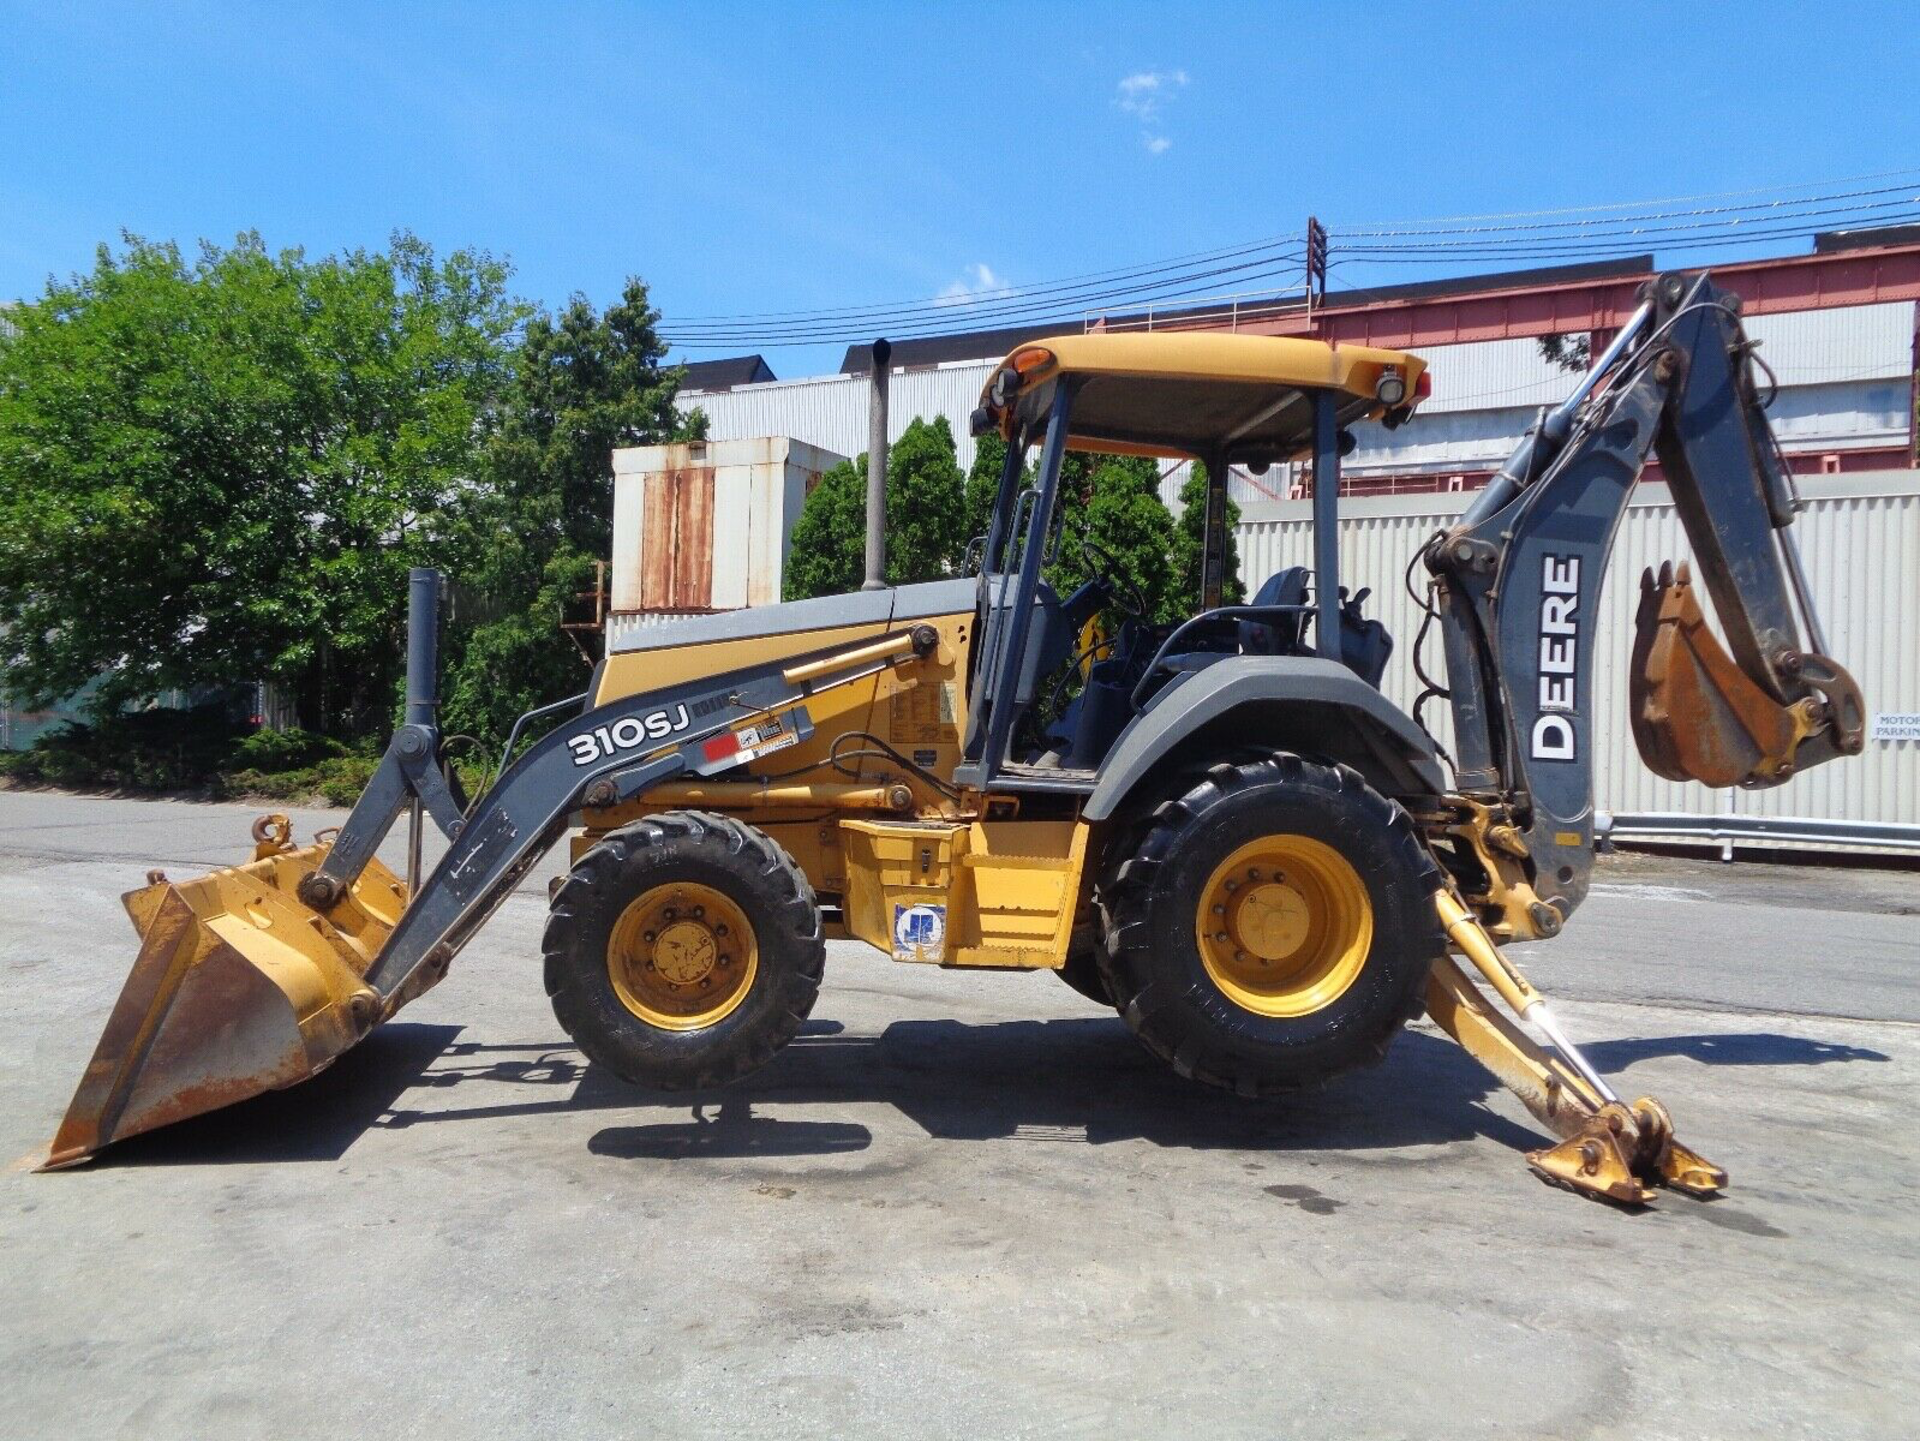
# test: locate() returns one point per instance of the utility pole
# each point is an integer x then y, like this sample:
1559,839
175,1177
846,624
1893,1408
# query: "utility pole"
1316,261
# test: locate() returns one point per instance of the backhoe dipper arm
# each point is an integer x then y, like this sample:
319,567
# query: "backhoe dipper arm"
1518,582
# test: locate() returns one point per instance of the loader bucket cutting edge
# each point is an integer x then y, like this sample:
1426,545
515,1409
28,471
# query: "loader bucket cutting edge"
238,988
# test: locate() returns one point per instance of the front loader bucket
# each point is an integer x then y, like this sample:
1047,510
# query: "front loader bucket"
239,988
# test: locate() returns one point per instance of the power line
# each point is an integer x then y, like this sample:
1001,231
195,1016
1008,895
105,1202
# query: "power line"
934,326
1632,225
1045,287
1601,231
1015,310
1599,250
942,319
1635,204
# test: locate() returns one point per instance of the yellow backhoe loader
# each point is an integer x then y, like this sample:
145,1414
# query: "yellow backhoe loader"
1222,829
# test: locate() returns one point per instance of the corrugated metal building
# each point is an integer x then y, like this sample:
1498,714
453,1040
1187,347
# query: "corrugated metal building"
1860,535
1845,393
1838,326
830,411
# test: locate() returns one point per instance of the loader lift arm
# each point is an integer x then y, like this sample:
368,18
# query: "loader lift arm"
1517,584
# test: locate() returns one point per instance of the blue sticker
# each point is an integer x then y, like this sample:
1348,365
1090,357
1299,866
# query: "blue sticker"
919,933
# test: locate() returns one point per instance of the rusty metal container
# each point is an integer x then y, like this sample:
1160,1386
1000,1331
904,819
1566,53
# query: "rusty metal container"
703,526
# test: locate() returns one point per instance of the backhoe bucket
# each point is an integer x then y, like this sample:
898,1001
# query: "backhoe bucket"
1695,714
239,988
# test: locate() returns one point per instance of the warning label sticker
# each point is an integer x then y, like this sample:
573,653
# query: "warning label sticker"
923,715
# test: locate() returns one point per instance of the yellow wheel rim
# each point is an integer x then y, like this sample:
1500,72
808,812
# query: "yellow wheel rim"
682,956
1284,926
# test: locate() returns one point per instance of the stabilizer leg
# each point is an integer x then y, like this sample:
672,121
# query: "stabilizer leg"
1609,1149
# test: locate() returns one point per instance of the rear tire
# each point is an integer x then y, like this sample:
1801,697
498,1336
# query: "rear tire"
683,951
1082,971
1319,927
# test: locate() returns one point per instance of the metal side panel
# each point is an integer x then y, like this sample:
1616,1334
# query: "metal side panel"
829,612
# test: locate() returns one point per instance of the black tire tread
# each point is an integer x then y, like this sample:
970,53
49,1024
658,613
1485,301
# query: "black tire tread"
1145,844
594,885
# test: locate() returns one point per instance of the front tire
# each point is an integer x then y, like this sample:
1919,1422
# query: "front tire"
1273,927
683,951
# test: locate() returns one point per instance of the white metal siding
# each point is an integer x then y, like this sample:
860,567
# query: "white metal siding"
1493,375
1850,415
1848,342
1860,536
1804,347
830,411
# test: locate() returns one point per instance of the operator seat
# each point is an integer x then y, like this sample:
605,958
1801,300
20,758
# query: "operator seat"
1280,635
1365,645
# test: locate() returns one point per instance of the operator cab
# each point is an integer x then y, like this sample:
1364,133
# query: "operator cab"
1052,692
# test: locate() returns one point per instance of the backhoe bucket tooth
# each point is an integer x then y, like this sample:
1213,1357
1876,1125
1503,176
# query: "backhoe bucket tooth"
1695,714
238,988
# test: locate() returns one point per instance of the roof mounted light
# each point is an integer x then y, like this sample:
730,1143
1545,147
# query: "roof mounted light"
1391,388
1032,361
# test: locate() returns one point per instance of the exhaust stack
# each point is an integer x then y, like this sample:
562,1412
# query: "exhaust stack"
877,470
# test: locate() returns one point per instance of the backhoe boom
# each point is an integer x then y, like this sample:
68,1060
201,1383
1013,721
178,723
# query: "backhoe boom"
1518,583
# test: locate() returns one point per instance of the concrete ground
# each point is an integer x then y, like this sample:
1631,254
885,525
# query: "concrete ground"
971,1205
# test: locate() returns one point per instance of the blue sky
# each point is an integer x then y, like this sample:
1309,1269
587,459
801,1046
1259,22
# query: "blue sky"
749,158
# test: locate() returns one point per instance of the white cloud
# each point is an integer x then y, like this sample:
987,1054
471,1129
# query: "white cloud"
975,280
1144,95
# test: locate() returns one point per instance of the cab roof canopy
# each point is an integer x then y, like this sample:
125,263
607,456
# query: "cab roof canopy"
1193,393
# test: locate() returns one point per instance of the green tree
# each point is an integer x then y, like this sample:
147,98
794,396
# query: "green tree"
1113,503
926,518
983,483
1190,544
586,383
825,552
219,470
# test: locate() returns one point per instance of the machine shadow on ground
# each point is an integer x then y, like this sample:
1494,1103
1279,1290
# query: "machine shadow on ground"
1083,1080
316,1120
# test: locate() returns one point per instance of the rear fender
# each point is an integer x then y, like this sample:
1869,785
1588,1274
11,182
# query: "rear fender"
1299,703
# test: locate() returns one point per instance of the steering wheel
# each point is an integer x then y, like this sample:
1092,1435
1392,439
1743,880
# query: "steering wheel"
1100,561
1105,569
